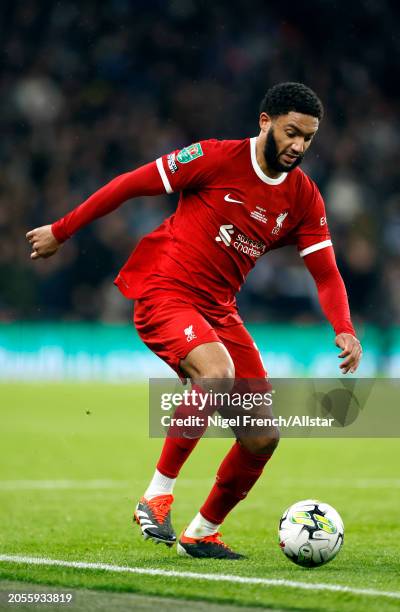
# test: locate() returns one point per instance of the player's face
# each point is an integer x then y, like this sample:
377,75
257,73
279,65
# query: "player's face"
287,140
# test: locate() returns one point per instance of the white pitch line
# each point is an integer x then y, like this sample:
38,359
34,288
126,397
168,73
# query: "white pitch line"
27,485
357,483
16,485
307,586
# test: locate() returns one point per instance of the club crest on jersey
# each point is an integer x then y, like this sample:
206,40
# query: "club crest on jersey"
279,222
189,333
190,153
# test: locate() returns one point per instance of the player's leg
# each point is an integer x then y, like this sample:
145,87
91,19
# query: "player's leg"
244,463
253,448
209,362
197,355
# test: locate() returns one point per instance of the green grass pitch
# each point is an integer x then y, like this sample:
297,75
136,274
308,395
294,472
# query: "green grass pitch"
73,435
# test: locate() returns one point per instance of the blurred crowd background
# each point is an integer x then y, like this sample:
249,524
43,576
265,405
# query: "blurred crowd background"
89,90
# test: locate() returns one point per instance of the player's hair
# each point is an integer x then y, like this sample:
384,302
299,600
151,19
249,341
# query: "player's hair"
285,97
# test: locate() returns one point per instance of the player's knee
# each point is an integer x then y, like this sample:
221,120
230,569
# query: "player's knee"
220,377
262,444
222,371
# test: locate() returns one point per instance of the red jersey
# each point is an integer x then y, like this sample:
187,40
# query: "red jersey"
229,214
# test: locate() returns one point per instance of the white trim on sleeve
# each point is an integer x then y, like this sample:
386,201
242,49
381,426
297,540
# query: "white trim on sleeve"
315,247
164,176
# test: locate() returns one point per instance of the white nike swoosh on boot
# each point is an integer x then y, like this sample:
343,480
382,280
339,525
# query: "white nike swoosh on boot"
227,198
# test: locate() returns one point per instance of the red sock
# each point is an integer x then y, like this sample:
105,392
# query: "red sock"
177,447
236,475
174,454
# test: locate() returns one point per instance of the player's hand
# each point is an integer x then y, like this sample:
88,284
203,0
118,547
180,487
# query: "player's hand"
42,242
351,352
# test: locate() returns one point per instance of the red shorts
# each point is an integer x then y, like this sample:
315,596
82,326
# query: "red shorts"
172,325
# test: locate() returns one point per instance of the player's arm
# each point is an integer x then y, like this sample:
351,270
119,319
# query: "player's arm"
192,167
145,181
334,303
315,246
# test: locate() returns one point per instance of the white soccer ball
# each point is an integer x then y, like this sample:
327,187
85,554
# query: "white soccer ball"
311,533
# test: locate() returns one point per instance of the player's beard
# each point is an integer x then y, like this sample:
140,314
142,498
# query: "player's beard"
272,157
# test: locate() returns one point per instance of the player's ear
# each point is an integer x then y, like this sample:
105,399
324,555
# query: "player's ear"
264,122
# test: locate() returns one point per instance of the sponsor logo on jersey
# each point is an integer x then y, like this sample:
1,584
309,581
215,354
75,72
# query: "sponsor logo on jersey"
279,222
190,153
171,163
224,234
241,242
248,246
259,214
322,221
189,333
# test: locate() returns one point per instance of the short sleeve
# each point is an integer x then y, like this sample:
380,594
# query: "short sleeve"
312,233
190,167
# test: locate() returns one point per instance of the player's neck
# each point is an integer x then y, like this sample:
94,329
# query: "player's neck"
260,157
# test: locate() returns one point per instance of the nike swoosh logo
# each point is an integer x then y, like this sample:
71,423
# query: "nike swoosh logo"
227,198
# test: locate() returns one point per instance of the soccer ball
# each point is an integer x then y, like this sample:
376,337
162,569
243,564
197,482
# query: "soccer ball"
311,533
